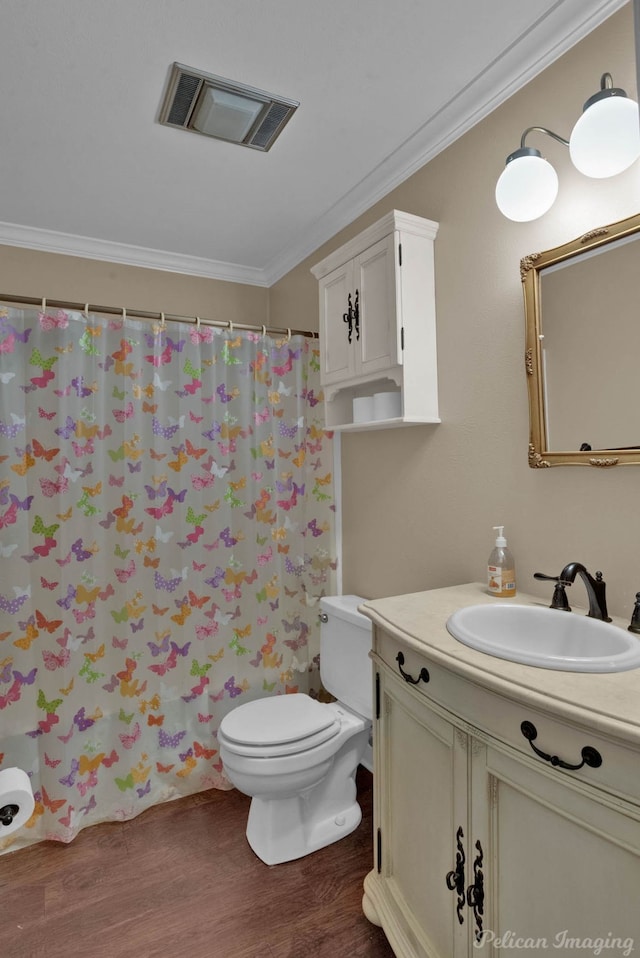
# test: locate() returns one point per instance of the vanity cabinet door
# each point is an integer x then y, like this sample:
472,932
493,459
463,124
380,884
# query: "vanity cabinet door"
337,356
377,340
561,859
421,822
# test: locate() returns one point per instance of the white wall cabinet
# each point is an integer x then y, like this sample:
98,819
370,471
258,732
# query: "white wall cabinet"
481,839
377,322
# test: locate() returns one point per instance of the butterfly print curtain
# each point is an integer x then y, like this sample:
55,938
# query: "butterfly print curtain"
166,531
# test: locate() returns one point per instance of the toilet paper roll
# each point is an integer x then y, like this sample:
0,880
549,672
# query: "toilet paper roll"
15,793
363,409
387,405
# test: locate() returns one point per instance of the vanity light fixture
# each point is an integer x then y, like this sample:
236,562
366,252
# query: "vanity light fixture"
605,141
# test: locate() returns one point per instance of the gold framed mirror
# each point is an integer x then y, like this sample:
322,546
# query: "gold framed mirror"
582,351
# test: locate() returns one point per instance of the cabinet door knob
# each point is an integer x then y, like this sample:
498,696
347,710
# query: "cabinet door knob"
424,672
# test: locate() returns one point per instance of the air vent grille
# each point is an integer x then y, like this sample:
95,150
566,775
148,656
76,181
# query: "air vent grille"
188,105
270,127
183,99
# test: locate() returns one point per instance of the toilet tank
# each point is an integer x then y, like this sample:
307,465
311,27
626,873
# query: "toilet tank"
345,643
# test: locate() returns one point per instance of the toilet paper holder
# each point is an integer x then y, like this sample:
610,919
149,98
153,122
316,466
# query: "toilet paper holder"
7,814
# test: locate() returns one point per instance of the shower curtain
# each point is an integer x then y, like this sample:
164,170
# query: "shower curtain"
166,532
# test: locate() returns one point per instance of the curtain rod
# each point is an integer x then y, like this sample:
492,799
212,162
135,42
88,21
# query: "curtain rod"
150,316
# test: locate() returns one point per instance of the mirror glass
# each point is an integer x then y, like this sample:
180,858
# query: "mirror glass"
583,349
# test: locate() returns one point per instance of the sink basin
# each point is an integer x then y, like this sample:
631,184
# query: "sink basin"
545,638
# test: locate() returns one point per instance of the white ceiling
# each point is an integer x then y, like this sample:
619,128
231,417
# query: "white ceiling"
384,85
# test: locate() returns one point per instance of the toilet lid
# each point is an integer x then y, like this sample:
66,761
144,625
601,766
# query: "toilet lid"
280,720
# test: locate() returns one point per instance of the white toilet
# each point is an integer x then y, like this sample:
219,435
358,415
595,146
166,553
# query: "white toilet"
297,757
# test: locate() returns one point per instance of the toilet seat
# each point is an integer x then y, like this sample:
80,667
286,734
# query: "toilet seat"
277,726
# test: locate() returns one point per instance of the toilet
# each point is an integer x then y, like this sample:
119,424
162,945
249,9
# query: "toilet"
297,757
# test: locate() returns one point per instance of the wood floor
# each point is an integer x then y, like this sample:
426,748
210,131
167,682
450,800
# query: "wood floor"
180,881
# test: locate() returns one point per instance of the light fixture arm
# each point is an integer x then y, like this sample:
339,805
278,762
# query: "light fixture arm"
542,129
607,89
530,150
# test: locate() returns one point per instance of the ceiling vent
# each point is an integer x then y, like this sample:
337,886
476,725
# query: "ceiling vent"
212,106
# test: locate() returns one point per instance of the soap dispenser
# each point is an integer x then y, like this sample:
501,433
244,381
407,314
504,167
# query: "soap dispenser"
501,568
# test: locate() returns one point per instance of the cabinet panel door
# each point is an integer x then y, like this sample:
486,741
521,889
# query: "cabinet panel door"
337,355
563,861
421,770
375,280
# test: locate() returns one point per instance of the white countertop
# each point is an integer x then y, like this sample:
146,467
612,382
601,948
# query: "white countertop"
608,702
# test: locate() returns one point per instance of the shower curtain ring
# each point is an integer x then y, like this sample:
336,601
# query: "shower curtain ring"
162,320
44,305
86,310
197,322
264,330
124,315
230,326
288,335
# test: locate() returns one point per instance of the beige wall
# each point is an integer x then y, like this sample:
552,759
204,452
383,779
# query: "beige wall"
32,273
420,502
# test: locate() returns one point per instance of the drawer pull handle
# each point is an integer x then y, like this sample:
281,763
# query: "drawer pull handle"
424,672
590,755
455,879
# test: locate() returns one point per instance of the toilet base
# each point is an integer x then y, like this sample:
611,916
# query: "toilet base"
274,847
285,827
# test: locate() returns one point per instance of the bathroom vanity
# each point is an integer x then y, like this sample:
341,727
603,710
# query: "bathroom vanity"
507,797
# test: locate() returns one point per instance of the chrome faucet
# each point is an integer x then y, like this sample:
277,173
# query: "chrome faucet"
596,590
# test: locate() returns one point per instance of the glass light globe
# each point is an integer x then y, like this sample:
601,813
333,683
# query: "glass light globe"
606,139
527,186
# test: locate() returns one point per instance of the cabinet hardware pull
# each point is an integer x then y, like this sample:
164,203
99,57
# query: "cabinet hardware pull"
475,892
455,879
348,317
356,317
424,672
590,755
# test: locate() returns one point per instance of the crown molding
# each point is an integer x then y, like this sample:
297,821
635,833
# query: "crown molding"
87,247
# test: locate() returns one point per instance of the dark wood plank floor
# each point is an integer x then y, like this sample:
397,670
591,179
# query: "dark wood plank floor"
181,880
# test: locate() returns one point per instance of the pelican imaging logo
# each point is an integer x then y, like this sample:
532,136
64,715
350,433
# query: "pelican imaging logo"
563,940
